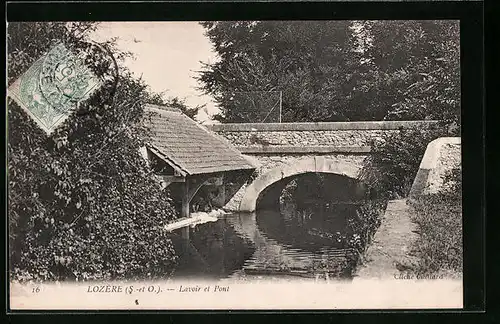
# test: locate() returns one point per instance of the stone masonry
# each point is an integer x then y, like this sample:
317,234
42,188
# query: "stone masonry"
441,157
281,146
332,134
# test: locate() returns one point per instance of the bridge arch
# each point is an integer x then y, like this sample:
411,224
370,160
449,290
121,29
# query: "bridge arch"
316,164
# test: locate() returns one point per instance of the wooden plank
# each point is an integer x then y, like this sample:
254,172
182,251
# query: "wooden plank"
188,221
171,178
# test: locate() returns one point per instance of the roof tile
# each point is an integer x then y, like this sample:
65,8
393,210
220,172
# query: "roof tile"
189,145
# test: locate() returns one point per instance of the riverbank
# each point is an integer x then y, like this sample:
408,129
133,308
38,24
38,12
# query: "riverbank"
391,245
438,248
421,236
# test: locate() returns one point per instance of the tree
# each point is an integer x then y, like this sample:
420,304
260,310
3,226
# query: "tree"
83,203
416,72
305,61
414,69
337,70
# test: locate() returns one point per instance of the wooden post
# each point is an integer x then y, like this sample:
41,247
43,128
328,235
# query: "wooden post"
190,188
185,212
185,200
185,232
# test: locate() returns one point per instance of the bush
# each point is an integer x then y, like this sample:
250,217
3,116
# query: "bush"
392,166
82,202
439,247
362,228
390,173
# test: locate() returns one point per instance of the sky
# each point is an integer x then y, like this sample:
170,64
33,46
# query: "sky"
167,55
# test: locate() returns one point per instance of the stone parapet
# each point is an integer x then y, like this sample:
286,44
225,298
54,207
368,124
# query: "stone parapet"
333,135
320,126
292,149
441,156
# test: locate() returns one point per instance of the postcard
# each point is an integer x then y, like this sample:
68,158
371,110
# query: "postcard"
235,165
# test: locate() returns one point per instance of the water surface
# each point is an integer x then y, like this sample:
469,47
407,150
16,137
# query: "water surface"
268,243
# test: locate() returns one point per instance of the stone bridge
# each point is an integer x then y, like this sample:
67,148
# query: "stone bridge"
284,150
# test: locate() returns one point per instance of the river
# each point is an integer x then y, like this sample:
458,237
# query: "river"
269,243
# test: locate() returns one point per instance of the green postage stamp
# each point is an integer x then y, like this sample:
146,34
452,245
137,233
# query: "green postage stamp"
52,87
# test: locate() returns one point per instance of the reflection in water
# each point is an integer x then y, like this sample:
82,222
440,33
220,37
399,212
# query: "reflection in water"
213,250
304,227
308,230
268,242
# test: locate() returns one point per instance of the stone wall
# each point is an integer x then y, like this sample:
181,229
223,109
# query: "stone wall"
269,161
334,134
304,138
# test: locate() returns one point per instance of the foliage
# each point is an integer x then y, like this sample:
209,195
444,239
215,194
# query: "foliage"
82,202
337,70
417,70
297,58
364,225
391,168
180,104
415,67
439,247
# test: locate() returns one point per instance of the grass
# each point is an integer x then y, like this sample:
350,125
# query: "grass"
439,248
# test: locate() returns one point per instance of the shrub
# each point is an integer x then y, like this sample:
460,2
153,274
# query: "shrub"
393,163
362,227
439,246
439,219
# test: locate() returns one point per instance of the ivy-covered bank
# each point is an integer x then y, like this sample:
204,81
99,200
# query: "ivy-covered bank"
82,203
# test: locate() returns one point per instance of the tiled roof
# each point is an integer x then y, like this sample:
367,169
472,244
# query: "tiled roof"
188,146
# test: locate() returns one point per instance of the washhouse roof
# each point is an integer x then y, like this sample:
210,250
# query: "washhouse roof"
188,146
